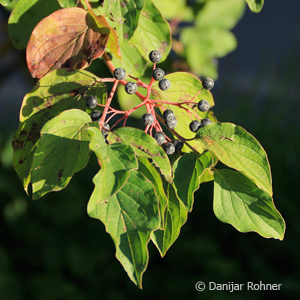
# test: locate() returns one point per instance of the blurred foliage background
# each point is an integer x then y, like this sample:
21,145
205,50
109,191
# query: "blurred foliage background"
50,249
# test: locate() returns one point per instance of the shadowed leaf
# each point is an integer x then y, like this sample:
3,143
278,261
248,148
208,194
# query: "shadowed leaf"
25,16
56,92
62,150
129,217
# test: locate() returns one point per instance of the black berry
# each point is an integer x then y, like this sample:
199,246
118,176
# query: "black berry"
155,56
96,115
164,84
208,83
195,126
158,74
160,138
119,73
91,101
203,105
147,119
171,123
206,122
178,145
106,128
130,88
168,114
169,148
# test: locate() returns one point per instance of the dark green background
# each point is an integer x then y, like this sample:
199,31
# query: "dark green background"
50,249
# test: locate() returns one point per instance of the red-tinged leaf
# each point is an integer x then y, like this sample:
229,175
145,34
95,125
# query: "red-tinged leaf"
113,40
68,38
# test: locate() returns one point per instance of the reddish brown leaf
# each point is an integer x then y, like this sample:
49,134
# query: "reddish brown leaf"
113,40
68,38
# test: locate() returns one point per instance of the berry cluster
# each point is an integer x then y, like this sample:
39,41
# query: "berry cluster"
152,120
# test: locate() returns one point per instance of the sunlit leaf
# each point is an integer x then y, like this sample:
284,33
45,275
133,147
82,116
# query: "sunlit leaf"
145,146
237,201
184,86
68,38
238,149
116,162
255,5
152,33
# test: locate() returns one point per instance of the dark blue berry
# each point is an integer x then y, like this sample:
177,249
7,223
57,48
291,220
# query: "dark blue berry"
206,122
203,105
164,84
208,83
96,115
160,138
147,119
178,145
195,125
158,74
91,101
171,123
106,128
130,88
155,56
169,148
168,114
119,73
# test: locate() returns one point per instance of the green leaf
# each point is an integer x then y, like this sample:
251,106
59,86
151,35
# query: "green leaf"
153,32
222,14
210,38
25,16
187,170
8,4
255,5
172,9
67,3
238,149
149,170
175,217
62,151
127,102
131,60
129,217
237,201
5,2
144,146
114,11
124,15
116,161
57,91
184,86
203,46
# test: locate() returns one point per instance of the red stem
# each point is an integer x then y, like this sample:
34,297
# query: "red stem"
107,104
